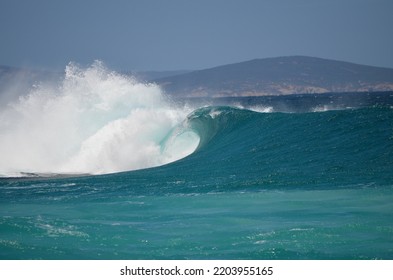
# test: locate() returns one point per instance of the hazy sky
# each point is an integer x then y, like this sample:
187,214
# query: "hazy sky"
181,34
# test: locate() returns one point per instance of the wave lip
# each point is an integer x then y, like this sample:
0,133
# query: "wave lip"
210,121
179,143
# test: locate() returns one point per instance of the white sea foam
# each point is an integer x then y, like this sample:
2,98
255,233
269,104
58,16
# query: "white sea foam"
261,109
325,108
95,121
256,108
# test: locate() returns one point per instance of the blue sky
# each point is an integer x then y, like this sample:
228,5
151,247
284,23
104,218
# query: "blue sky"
182,34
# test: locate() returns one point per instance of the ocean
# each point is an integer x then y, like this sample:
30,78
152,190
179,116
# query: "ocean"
101,166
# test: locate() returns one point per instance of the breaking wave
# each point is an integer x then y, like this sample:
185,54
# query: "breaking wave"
94,121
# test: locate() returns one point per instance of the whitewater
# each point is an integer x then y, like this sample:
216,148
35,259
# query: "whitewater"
95,121
101,166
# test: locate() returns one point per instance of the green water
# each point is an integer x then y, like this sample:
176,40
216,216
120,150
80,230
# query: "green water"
260,186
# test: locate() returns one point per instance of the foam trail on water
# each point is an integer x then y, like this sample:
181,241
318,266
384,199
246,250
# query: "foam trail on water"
255,108
95,121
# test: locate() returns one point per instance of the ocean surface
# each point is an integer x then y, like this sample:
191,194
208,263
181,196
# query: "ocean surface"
289,177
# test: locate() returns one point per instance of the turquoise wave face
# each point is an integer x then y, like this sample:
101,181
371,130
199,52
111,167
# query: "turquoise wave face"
280,150
315,185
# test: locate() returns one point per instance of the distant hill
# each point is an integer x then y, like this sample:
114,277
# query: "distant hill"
258,77
11,74
154,75
19,81
278,76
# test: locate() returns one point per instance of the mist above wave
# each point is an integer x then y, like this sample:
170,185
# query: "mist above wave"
93,121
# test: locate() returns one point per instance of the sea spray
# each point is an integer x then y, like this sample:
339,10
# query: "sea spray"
94,121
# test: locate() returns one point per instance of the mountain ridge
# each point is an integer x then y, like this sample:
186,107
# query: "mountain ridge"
278,76
257,77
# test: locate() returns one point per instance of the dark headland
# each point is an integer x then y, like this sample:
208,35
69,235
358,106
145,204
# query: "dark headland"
279,76
257,77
